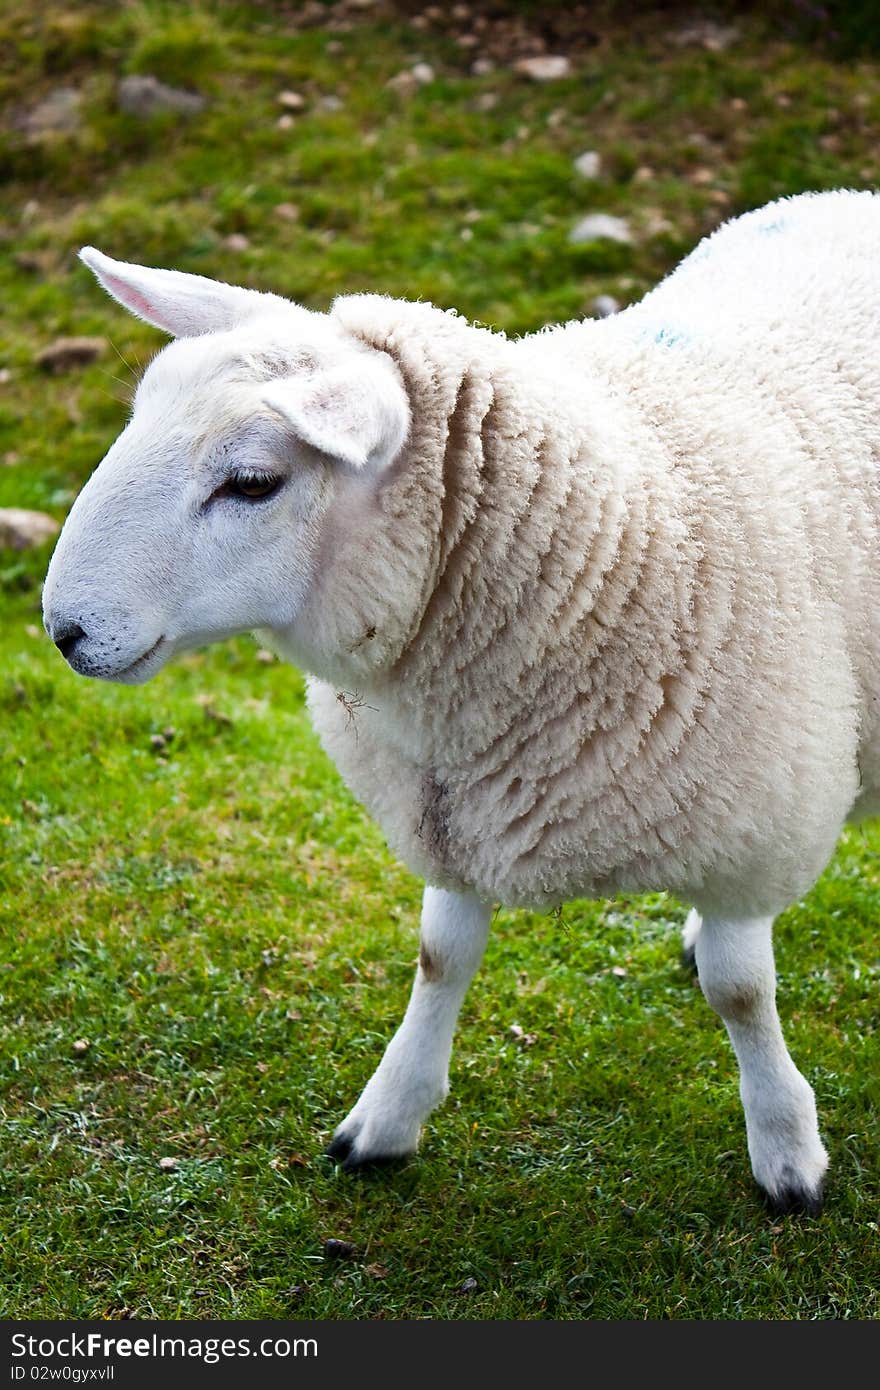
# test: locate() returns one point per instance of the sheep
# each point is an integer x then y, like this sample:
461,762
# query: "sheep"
588,612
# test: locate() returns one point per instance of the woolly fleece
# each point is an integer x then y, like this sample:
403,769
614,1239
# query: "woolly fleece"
610,621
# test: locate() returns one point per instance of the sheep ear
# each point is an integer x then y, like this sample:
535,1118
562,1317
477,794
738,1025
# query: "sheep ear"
357,412
183,305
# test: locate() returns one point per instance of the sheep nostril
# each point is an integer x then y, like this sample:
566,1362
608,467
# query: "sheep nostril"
66,637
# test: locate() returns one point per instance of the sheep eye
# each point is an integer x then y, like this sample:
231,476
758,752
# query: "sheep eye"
251,486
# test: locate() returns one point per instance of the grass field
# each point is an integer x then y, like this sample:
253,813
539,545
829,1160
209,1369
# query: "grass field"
205,944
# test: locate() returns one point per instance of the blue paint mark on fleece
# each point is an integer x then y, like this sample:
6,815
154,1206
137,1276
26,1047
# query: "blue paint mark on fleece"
771,228
672,337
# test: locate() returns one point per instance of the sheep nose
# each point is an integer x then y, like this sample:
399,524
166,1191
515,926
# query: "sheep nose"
66,636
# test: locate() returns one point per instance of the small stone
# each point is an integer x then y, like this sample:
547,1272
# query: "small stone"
5,376
701,177
70,352
468,1286
707,34
481,67
285,123
265,656
81,1045
145,96
546,67
60,113
402,82
656,224
738,104
486,101
157,742
589,164
236,241
423,73
168,1164
601,226
288,212
644,174
169,732
31,262
291,101
21,529
329,104
604,305
338,1249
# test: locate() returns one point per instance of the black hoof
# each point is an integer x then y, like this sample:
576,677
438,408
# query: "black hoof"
374,1163
795,1200
339,1148
689,959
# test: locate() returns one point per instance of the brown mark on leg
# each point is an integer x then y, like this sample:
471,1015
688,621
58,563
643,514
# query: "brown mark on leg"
430,966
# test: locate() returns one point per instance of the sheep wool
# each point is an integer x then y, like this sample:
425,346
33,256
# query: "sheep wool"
610,622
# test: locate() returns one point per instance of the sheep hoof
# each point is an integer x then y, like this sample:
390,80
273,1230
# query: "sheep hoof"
795,1199
339,1148
342,1151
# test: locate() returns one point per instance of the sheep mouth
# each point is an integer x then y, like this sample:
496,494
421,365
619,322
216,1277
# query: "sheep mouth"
137,670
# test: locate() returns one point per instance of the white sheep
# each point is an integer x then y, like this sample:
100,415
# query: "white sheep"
601,603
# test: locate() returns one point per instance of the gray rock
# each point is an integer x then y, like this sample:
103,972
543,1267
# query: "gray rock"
603,306
21,529
601,226
60,113
546,67
589,164
410,79
145,96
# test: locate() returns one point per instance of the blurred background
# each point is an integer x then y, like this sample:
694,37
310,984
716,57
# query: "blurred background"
203,943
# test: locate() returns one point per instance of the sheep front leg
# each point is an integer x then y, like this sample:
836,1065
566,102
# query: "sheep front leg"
412,1077
737,975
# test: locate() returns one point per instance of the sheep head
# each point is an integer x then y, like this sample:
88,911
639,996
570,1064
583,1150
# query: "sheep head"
206,516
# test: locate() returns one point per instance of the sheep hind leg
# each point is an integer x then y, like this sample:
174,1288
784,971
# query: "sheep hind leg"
737,975
412,1077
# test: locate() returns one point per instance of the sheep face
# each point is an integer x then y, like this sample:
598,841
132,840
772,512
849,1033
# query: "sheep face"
205,518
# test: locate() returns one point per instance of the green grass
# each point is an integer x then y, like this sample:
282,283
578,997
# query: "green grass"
216,917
